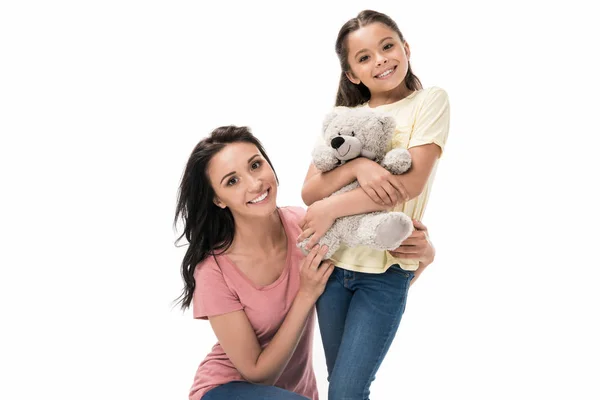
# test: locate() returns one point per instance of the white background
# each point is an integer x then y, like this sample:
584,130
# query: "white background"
102,102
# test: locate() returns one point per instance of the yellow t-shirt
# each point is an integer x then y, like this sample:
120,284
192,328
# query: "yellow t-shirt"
423,117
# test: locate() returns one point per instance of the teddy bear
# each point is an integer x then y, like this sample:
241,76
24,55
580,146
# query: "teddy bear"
354,132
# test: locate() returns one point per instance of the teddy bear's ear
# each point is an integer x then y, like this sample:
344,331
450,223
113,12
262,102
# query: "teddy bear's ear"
389,124
328,118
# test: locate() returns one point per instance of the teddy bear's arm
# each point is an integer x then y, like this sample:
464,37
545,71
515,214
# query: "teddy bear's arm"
397,161
324,158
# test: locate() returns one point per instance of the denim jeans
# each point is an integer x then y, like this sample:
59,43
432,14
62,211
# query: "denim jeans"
250,391
358,316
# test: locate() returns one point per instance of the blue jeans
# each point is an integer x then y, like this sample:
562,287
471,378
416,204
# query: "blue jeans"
359,315
250,391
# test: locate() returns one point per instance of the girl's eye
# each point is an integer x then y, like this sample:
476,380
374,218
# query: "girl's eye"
388,46
232,181
256,164
363,59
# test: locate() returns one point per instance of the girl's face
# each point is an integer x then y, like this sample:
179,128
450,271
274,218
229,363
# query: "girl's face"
377,58
243,181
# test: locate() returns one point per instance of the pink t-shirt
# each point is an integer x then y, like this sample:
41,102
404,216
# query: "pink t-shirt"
221,288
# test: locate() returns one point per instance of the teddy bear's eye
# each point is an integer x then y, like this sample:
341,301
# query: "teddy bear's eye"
352,133
339,133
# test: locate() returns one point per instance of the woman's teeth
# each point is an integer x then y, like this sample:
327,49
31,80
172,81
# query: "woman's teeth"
260,198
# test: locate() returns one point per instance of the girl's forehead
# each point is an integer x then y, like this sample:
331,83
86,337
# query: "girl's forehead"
370,35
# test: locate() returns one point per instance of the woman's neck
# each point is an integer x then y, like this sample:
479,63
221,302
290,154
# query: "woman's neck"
258,235
394,95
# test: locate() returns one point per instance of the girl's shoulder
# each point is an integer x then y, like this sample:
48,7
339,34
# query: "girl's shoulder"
432,93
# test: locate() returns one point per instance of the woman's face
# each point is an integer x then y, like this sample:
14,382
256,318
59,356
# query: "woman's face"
377,58
243,181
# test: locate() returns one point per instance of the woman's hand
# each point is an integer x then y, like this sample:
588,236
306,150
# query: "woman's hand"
379,183
417,246
318,219
314,273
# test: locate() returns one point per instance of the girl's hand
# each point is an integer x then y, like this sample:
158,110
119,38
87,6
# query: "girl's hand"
316,222
417,246
314,273
378,183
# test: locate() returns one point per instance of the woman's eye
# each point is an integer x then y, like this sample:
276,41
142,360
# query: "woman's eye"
256,164
388,46
363,59
232,181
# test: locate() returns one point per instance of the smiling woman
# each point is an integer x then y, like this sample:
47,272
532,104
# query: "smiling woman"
244,274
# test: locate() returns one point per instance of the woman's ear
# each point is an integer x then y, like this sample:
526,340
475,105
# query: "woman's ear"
407,50
219,203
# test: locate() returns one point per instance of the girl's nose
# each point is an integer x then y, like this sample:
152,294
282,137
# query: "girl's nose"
381,60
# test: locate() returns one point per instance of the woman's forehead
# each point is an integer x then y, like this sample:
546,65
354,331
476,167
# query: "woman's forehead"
232,156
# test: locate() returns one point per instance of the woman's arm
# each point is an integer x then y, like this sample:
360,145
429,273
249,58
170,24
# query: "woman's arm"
239,341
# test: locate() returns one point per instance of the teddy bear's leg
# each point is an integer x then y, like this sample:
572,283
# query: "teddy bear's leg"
331,239
384,231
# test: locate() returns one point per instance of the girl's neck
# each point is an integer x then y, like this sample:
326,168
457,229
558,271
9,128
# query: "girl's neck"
258,235
394,95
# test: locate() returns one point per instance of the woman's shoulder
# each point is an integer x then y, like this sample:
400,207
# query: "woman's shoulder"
293,213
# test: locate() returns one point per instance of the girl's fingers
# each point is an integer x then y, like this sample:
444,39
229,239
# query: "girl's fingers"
306,234
373,195
391,192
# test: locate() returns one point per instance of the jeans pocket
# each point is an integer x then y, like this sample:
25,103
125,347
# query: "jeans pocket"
397,269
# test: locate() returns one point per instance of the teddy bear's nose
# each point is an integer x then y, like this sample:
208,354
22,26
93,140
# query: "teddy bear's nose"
336,142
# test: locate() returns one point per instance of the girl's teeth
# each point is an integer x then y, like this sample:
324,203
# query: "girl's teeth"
386,73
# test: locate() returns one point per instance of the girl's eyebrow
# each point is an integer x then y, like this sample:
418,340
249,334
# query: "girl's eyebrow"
381,41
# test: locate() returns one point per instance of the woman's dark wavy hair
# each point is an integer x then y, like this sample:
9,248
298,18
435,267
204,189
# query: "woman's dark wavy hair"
349,94
208,229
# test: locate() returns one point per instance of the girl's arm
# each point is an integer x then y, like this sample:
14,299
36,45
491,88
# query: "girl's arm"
239,341
318,185
321,215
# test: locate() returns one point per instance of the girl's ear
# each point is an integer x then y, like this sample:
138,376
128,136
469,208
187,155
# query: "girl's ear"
352,78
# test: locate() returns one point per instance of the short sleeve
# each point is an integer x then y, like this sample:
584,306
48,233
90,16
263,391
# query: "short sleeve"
433,120
212,295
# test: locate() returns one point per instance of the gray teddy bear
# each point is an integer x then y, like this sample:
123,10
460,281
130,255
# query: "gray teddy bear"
350,133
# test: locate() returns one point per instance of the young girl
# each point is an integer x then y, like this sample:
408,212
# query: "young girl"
360,310
243,272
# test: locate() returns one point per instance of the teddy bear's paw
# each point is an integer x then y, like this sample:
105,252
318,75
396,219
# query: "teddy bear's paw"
393,229
397,161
